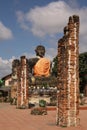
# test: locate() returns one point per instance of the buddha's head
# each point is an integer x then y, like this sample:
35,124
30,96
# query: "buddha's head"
40,50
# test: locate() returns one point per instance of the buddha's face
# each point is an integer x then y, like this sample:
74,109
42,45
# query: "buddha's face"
40,51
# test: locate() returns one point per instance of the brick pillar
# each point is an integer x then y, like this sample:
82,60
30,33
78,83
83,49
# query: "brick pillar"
14,83
22,89
68,75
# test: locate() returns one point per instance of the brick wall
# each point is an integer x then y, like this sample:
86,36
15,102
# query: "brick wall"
22,88
14,82
68,75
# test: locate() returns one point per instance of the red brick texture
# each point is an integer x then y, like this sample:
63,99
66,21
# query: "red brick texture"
23,83
68,75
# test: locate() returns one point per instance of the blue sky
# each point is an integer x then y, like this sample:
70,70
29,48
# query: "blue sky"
24,24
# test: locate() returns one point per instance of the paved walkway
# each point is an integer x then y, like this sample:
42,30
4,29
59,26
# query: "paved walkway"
17,119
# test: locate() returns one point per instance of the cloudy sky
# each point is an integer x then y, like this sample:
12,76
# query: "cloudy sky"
24,24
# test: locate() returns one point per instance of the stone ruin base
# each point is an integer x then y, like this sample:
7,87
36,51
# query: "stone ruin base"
39,111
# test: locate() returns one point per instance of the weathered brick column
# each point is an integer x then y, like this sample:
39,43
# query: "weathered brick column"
68,75
22,89
15,65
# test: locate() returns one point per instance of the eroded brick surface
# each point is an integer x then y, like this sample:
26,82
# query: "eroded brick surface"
68,75
22,85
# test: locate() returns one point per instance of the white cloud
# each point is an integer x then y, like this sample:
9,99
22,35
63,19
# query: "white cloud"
51,53
49,19
5,33
22,20
45,20
5,66
52,18
72,3
29,55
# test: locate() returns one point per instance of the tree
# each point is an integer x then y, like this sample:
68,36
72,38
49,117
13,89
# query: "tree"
83,70
1,82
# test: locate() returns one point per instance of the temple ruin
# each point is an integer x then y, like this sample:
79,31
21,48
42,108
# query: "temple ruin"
23,83
67,82
20,78
68,75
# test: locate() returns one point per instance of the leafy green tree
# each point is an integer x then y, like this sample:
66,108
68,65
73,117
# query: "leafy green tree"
1,82
83,70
